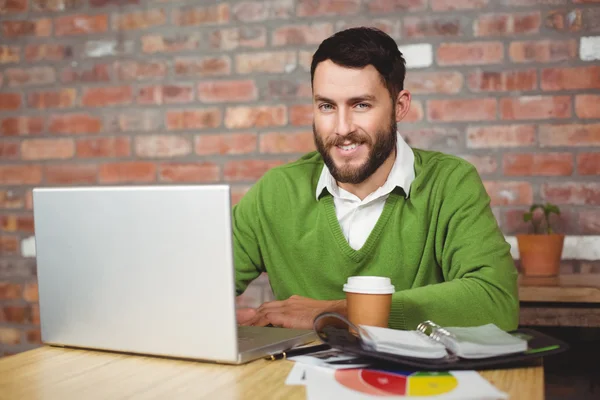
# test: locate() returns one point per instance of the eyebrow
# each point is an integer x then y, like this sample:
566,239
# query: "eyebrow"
356,99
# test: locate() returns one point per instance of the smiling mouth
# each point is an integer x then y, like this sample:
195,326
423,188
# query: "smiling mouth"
348,147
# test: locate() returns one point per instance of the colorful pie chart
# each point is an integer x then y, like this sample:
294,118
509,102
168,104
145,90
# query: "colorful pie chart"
396,383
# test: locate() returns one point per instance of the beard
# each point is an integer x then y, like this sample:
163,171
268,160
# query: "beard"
385,143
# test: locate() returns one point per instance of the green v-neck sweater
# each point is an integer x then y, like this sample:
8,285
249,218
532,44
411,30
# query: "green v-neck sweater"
440,245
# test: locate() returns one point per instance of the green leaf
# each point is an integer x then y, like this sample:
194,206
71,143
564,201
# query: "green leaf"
551,208
535,207
527,217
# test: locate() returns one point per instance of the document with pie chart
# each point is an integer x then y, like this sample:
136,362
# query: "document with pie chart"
377,384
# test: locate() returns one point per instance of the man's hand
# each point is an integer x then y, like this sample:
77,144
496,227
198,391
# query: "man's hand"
296,312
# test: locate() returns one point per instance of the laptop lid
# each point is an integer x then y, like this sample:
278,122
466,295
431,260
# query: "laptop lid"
142,269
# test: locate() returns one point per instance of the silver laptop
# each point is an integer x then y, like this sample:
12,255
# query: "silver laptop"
147,270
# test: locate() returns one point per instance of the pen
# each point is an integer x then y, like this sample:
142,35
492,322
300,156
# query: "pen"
298,352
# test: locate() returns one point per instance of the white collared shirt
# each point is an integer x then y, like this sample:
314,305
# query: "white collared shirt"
358,217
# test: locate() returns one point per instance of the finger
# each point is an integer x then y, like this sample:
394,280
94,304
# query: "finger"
260,320
245,315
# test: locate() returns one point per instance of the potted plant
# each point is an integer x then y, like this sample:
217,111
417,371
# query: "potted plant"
541,251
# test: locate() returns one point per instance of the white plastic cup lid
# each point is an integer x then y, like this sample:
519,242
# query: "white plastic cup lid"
369,285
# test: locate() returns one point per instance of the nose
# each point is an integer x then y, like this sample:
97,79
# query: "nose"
344,124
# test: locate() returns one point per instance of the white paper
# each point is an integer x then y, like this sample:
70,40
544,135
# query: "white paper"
297,375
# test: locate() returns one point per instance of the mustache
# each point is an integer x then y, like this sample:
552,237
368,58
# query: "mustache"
354,137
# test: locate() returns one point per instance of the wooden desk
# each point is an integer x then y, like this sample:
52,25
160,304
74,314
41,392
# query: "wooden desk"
54,373
564,300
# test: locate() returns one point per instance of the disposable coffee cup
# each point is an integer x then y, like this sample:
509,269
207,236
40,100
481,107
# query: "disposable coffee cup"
369,299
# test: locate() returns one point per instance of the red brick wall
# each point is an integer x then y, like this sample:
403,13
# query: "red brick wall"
136,92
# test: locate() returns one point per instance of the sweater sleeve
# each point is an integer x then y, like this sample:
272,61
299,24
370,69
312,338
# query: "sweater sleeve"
246,250
480,278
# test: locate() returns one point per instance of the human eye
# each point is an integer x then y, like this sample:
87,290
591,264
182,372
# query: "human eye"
325,107
363,106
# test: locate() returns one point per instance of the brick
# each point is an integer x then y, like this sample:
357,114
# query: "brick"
9,336
571,78
86,74
590,222
485,165
34,336
9,150
108,48
588,163
33,27
301,34
162,146
566,222
202,172
280,88
63,98
508,24
432,138
56,5
139,20
17,268
80,25
535,107
148,120
9,245
238,37
254,11
248,170
193,119
10,291
127,172
503,193
13,6
271,62
203,66
33,76
194,16
15,126
67,174
390,6
171,42
314,8
572,193
260,116
233,143
500,136
9,54
494,81
107,96
105,147
415,112
423,27
108,3
10,101
449,5
11,199
297,142
391,27
236,195
587,106
529,3
74,124
165,94
34,310
473,53
543,51
17,223
15,314
227,91
462,110
573,20
47,149
20,174
301,115
140,70
305,59
571,135
47,52
540,164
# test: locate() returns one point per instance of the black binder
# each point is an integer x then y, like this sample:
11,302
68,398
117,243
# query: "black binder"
336,331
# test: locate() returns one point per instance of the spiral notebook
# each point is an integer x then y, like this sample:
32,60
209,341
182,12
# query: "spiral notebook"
432,341
435,348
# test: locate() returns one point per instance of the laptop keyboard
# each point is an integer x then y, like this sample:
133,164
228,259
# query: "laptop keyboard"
248,335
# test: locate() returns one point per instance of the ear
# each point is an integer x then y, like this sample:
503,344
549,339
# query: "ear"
402,104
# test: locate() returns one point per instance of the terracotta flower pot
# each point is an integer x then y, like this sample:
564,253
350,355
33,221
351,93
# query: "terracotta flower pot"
540,254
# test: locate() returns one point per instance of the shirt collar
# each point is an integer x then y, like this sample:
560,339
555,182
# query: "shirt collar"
402,173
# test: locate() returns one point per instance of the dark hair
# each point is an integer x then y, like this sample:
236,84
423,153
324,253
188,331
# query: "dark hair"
359,47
